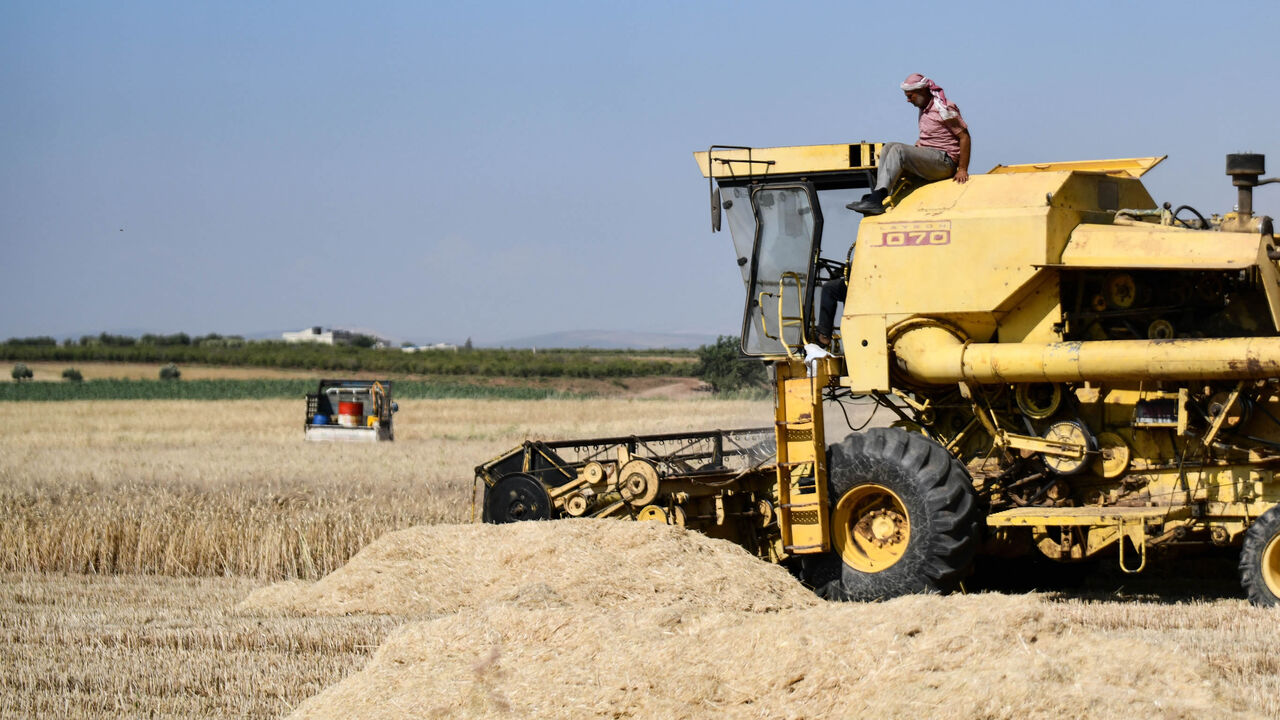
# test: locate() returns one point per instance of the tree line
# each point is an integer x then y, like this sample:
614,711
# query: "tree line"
229,389
236,351
719,364
110,340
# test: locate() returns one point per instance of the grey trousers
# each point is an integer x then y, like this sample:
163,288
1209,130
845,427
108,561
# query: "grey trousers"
928,164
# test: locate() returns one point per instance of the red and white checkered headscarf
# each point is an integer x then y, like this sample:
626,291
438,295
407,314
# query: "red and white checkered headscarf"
916,81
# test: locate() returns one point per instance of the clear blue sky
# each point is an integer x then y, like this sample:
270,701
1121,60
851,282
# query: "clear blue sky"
438,171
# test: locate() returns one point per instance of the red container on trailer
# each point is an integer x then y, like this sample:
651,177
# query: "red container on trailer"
350,414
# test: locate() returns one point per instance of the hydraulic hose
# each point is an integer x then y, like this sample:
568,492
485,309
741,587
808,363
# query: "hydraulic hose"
1204,224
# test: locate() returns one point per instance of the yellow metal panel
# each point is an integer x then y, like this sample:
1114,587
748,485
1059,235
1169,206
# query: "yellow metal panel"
789,160
1269,276
1095,198
966,251
1126,167
958,265
980,195
1047,517
955,249
1157,246
1030,316
866,352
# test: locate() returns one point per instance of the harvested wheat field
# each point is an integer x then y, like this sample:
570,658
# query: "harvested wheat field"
199,560
231,488
148,646
574,619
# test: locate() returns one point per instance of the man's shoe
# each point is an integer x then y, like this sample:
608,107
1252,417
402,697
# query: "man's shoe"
867,207
871,204
871,196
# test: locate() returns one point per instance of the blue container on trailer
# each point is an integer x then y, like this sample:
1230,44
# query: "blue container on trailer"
320,419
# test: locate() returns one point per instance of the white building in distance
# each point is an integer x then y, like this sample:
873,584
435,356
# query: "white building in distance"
318,334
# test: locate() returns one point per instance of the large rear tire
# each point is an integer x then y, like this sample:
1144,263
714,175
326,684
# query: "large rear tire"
1260,560
904,516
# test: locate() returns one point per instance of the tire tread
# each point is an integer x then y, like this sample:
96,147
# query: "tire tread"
1256,539
951,507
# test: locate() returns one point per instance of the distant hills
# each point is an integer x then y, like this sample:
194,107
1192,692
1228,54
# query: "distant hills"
570,339
610,340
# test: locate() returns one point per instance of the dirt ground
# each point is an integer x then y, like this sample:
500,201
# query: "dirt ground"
52,371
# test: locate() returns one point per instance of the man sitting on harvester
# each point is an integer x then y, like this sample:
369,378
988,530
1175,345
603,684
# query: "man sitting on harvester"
941,151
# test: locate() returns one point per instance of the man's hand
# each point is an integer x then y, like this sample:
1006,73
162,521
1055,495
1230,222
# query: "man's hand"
962,162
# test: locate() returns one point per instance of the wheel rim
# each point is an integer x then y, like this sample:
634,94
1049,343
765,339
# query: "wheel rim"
871,528
515,498
1271,565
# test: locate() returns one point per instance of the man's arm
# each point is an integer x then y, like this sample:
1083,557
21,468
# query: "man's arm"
962,134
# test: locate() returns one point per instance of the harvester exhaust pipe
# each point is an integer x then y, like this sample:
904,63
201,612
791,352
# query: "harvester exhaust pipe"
935,354
1245,169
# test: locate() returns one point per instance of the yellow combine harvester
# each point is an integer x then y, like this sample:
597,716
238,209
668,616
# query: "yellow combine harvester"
1076,370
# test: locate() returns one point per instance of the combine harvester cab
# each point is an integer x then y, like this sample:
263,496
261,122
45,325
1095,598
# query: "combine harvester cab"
1077,372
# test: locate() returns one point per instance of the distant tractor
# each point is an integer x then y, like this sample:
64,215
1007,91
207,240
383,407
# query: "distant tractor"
350,411
1075,370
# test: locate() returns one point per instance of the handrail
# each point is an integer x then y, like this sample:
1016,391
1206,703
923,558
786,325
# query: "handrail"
764,327
785,321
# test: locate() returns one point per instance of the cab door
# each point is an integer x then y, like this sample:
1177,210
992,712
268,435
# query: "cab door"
780,293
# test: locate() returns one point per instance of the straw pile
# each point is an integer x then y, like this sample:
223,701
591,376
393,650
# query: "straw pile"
612,619
437,569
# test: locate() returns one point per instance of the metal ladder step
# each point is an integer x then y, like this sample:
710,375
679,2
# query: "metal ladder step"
802,508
